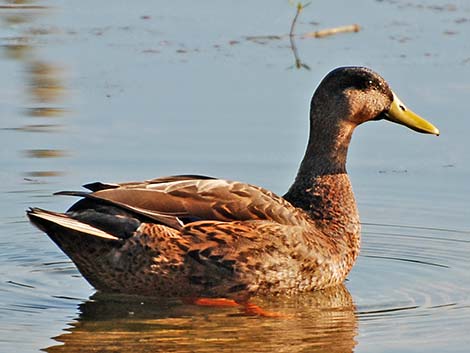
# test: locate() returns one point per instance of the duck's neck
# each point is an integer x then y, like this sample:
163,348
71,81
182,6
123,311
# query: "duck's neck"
322,187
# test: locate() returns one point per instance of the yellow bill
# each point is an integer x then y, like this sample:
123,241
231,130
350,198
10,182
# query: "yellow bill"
400,114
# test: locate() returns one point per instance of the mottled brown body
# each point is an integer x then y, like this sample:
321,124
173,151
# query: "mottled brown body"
195,236
267,246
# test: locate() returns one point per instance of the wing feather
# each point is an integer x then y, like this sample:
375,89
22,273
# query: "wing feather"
176,200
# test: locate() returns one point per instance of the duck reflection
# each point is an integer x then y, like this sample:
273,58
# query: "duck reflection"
322,321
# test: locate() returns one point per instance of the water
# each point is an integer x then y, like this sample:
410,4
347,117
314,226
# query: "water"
114,92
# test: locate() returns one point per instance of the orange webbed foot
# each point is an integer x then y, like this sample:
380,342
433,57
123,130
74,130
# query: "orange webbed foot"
246,308
214,302
255,310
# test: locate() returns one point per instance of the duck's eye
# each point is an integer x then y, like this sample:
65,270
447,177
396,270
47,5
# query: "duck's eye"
369,84
363,84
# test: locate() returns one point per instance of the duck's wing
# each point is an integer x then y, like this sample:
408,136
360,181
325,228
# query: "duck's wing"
178,200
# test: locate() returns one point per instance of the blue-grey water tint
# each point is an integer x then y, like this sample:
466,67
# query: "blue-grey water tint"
114,91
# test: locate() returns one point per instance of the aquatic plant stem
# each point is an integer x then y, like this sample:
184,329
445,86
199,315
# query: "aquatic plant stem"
298,62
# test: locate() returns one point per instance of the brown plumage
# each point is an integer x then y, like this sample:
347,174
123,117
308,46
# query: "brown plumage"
195,236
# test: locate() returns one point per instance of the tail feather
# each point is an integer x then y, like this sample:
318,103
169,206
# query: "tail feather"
72,193
169,219
43,219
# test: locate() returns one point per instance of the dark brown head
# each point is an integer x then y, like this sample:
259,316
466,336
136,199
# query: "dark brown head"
353,95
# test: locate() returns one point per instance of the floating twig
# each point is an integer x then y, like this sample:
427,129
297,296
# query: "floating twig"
262,39
330,31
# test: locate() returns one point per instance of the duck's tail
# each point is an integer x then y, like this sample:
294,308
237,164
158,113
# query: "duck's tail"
53,222
86,245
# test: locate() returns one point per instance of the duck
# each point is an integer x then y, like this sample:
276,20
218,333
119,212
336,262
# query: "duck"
194,236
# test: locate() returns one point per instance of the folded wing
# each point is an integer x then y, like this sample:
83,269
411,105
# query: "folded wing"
178,200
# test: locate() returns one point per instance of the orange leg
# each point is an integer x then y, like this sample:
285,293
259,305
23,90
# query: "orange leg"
254,310
215,302
247,308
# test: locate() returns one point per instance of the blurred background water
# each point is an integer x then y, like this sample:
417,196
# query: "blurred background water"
115,91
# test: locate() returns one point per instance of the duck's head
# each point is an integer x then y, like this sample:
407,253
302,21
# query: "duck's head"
353,95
